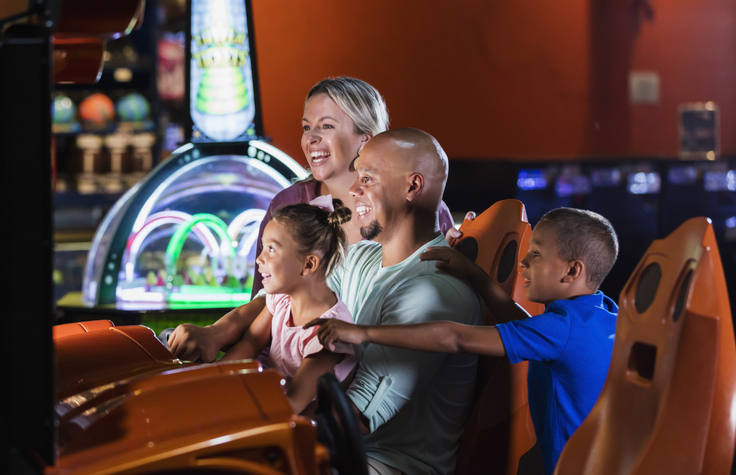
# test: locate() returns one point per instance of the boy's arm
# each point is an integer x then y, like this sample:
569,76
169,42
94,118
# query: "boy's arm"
452,261
304,384
190,342
440,337
254,340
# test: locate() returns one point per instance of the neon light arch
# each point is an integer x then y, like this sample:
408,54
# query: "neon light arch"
156,220
173,251
244,219
269,171
248,222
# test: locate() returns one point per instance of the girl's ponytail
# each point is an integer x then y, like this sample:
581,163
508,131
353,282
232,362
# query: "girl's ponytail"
338,247
316,229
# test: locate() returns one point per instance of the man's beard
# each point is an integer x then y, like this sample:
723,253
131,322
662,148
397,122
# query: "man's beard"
371,231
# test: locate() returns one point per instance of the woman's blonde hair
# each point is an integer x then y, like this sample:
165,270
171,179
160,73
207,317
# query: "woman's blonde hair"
359,100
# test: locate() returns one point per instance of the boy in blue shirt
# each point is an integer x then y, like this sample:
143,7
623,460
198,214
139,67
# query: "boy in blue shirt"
568,347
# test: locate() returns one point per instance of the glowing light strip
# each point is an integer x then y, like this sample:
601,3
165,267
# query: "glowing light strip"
298,170
139,294
182,149
246,244
277,177
180,235
255,163
247,216
159,219
89,285
175,217
233,297
146,208
254,216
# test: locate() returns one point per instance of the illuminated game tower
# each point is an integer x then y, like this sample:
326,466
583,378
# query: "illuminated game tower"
184,237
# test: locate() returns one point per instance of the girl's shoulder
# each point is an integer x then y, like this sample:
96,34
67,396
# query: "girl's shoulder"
277,302
339,311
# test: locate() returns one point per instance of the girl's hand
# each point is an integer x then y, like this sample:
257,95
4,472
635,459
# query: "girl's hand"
331,330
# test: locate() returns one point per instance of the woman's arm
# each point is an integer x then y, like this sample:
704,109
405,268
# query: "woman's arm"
254,340
304,384
441,337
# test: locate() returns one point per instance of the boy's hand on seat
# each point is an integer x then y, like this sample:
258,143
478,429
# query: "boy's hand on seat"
455,263
454,234
331,330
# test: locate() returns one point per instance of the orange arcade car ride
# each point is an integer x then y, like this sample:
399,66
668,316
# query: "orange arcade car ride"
126,405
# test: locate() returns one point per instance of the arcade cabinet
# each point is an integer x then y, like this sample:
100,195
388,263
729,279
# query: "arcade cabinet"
182,241
40,42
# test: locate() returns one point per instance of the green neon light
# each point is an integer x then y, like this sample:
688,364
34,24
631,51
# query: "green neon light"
232,297
173,251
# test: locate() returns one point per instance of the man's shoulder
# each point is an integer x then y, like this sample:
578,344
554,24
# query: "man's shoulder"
363,258
364,251
425,273
430,286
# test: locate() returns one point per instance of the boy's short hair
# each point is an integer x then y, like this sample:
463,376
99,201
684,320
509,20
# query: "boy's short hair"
585,236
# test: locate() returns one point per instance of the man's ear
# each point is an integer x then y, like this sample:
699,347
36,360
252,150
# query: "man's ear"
311,264
363,140
575,271
415,185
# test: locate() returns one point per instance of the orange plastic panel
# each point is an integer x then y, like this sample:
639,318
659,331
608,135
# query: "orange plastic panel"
92,18
101,353
499,430
60,331
232,417
668,402
78,60
11,8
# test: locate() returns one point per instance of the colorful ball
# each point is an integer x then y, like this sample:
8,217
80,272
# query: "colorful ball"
97,110
63,110
133,107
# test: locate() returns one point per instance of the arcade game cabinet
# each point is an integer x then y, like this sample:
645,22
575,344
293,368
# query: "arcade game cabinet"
183,239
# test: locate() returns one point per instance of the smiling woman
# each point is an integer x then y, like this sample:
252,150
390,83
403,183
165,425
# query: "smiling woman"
340,116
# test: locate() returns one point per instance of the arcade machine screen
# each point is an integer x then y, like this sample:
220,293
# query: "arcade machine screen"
221,73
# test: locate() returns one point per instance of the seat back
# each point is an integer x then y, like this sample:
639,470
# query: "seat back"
499,430
667,405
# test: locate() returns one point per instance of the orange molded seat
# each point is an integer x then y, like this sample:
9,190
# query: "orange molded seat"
60,331
499,430
668,402
91,354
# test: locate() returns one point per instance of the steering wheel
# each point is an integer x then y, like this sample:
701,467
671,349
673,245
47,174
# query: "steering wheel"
340,435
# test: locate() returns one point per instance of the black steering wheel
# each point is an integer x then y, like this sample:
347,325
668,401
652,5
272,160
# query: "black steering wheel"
337,428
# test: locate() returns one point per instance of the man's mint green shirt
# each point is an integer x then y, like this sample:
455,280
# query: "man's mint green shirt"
416,402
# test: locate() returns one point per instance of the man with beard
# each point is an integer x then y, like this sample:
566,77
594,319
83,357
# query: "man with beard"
412,404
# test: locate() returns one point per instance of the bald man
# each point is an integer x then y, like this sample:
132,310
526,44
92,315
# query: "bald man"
412,404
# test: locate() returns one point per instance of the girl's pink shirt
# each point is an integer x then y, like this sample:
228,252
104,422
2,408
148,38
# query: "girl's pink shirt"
291,344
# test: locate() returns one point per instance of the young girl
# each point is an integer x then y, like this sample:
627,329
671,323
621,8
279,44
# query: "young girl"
302,244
